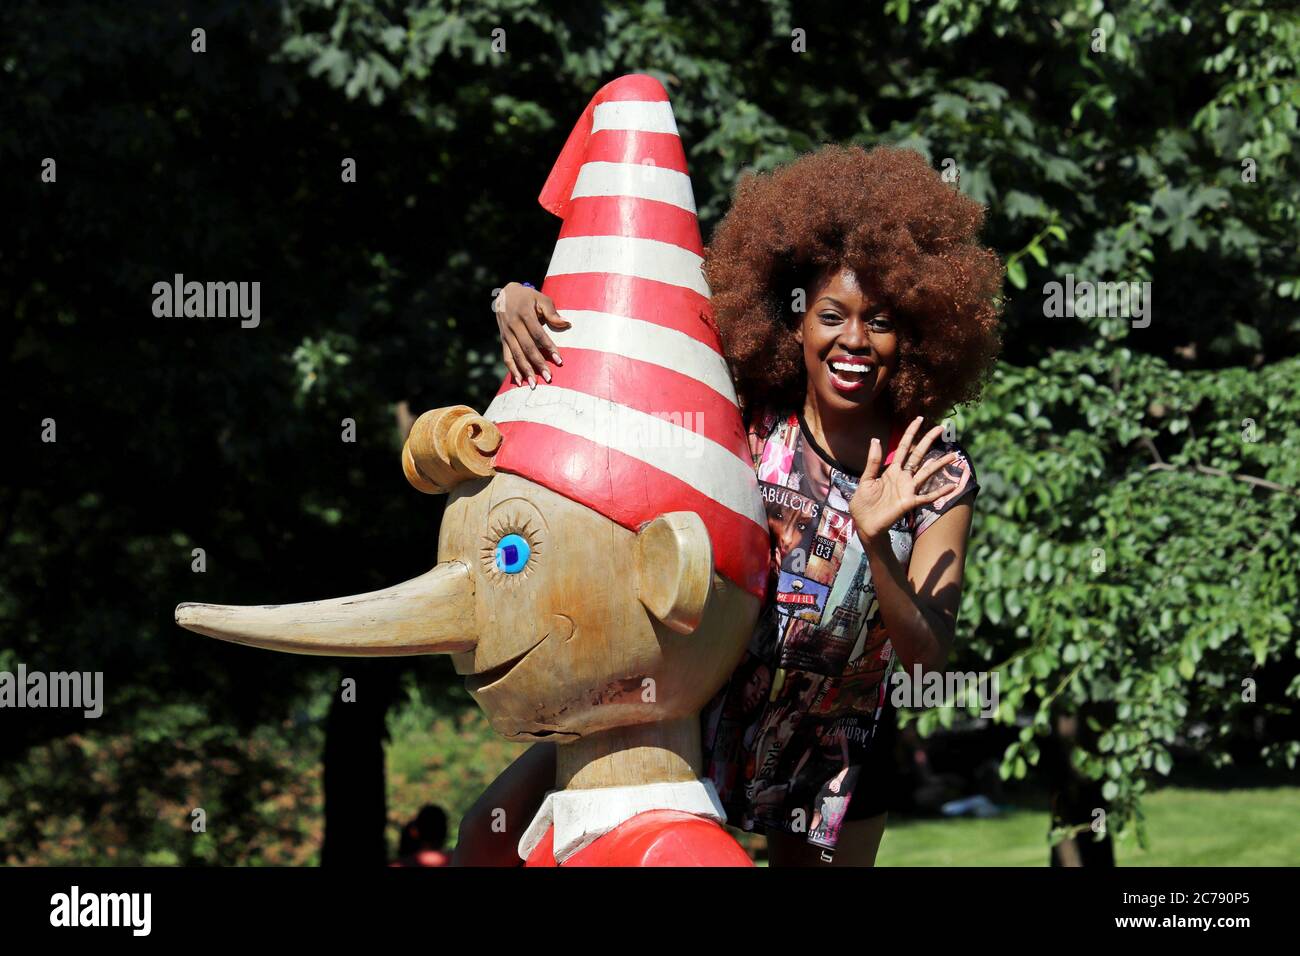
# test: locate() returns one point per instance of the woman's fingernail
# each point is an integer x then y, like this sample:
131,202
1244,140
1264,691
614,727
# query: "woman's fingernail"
556,356
546,374
532,382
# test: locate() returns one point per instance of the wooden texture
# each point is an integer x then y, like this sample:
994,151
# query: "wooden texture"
426,615
568,648
447,446
609,641
675,569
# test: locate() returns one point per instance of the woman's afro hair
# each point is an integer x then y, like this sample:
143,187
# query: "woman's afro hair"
888,216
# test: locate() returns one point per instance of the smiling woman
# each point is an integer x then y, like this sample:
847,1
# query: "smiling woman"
893,222
850,345
853,302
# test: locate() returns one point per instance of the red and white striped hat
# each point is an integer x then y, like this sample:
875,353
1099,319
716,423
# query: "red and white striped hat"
641,419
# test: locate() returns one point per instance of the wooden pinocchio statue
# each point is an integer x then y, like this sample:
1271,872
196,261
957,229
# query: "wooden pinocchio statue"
603,552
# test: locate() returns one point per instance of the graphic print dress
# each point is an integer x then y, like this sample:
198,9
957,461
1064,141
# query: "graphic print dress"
786,739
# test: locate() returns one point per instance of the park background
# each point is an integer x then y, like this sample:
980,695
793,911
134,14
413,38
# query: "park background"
1133,574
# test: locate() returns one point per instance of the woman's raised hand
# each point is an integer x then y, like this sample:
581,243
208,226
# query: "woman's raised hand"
523,315
885,496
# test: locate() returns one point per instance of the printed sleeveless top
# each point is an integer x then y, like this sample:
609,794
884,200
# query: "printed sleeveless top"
786,740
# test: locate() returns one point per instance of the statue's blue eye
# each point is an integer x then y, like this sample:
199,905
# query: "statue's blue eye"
512,554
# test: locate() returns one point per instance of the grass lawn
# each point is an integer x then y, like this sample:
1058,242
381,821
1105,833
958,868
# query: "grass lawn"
450,759
1185,827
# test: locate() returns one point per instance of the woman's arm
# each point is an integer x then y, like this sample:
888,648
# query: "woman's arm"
523,315
490,831
919,606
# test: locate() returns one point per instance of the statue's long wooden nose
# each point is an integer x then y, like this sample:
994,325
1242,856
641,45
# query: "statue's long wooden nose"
431,614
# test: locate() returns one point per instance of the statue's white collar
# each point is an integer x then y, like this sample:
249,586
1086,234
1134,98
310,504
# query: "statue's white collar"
581,817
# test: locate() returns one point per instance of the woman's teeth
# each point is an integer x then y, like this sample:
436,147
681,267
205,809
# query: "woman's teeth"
848,376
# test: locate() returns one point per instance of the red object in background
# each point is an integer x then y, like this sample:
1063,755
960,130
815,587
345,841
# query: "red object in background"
424,858
654,838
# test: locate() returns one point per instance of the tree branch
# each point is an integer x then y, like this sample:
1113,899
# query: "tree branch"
1220,473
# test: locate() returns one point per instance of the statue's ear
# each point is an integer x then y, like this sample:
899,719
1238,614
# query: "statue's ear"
674,561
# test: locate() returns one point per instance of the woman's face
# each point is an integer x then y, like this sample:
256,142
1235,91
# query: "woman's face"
756,689
787,525
850,345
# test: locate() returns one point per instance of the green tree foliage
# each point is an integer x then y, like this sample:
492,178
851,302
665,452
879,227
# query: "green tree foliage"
1134,552
1124,564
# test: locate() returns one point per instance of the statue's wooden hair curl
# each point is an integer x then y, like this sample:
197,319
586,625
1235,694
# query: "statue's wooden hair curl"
447,446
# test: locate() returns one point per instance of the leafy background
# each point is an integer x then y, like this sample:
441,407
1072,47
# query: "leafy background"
1134,558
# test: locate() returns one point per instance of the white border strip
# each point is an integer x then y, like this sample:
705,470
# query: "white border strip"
637,181
645,116
713,471
646,342
630,256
